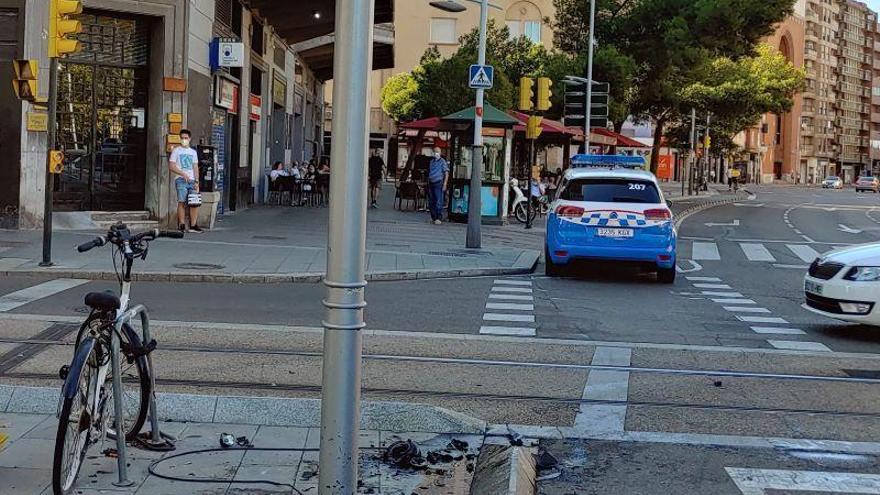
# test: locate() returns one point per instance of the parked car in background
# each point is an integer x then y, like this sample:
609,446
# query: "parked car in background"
832,182
868,184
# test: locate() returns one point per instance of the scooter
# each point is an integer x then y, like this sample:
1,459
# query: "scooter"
519,203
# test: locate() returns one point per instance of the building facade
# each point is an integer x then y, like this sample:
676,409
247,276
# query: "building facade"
147,69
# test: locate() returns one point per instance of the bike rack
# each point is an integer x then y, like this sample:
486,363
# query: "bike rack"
155,433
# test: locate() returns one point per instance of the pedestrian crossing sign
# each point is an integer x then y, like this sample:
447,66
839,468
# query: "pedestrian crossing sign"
481,77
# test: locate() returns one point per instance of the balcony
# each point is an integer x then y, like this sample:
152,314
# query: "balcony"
808,149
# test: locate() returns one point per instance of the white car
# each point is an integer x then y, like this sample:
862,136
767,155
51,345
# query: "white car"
832,182
844,284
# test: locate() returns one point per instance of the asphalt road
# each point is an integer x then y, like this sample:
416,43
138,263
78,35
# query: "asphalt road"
532,350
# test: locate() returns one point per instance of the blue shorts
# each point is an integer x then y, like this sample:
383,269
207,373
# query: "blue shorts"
184,187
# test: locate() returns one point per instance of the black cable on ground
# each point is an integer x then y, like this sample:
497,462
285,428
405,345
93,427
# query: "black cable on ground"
153,471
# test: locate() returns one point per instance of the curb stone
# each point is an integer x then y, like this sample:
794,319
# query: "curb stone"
504,470
724,200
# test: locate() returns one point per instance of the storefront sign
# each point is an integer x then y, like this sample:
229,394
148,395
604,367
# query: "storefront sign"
226,94
279,91
37,122
664,167
493,131
256,104
226,52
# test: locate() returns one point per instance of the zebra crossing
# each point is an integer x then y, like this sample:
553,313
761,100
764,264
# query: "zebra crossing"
753,251
760,319
510,309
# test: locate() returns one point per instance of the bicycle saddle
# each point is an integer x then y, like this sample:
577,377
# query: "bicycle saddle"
104,301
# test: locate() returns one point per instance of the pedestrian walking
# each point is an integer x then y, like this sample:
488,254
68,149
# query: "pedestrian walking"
377,173
438,176
184,167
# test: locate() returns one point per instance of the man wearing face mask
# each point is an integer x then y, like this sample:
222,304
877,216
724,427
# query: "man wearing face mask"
438,174
184,164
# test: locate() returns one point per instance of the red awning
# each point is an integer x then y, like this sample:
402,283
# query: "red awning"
547,125
429,124
623,141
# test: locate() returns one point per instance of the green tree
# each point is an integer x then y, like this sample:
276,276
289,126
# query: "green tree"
399,97
669,42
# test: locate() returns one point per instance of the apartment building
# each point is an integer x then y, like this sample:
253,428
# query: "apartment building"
874,152
819,114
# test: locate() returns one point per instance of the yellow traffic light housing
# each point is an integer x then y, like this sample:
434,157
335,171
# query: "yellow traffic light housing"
533,127
60,27
526,94
25,82
56,162
544,94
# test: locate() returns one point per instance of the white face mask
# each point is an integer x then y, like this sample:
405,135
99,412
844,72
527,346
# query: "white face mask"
436,155
184,142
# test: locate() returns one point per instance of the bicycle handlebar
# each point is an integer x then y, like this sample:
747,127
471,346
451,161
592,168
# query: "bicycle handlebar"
113,237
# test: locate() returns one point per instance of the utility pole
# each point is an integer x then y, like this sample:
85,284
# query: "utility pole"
475,207
346,250
693,156
588,101
707,142
50,176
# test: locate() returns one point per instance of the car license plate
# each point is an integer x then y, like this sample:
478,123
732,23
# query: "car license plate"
605,232
812,287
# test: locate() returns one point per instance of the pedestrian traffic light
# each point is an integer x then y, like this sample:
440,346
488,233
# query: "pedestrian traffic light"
533,127
25,82
56,162
61,26
526,95
544,94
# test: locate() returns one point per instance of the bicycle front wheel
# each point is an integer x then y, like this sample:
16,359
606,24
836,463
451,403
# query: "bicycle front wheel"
75,420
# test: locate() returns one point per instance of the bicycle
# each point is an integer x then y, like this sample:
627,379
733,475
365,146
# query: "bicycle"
95,376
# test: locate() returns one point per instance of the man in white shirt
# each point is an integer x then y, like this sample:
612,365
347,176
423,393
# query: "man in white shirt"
184,167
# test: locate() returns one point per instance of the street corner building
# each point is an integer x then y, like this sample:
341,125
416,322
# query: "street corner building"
246,77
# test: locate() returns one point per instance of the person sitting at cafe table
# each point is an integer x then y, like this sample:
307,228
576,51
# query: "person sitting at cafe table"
278,171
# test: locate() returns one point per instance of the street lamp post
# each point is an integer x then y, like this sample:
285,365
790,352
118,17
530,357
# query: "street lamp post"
588,104
474,226
341,380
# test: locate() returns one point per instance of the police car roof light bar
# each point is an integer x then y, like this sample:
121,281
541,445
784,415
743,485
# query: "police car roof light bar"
609,161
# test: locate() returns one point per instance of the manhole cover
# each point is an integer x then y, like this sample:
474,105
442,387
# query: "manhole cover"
199,266
447,254
270,237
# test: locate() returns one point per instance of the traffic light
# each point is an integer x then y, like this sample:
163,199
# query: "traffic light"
575,104
61,26
56,162
25,82
533,127
526,95
544,94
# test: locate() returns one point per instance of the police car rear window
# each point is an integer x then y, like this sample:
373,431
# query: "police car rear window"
610,191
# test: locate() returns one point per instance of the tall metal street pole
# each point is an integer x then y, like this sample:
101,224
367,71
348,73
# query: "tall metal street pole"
706,146
341,383
588,100
50,177
693,157
475,207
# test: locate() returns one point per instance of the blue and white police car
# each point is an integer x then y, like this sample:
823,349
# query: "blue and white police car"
608,208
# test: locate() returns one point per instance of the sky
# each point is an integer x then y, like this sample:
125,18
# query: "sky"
874,4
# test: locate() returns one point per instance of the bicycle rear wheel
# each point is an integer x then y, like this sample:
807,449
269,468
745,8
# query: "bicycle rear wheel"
75,420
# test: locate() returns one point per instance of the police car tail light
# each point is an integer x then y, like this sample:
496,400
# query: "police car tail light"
570,211
658,214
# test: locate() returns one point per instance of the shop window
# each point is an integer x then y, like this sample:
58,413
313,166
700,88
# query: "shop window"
443,31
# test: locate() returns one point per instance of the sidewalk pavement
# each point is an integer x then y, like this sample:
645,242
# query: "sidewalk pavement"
26,461
284,244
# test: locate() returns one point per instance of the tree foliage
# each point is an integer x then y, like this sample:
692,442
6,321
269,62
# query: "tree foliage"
399,96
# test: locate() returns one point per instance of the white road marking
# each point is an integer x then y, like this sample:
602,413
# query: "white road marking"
704,279
756,252
513,331
794,345
757,481
749,205
511,297
706,251
506,317
778,331
848,230
609,385
519,290
26,296
734,223
745,309
721,294
790,267
805,253
525,283
733,301
762,319
510,306
713,286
